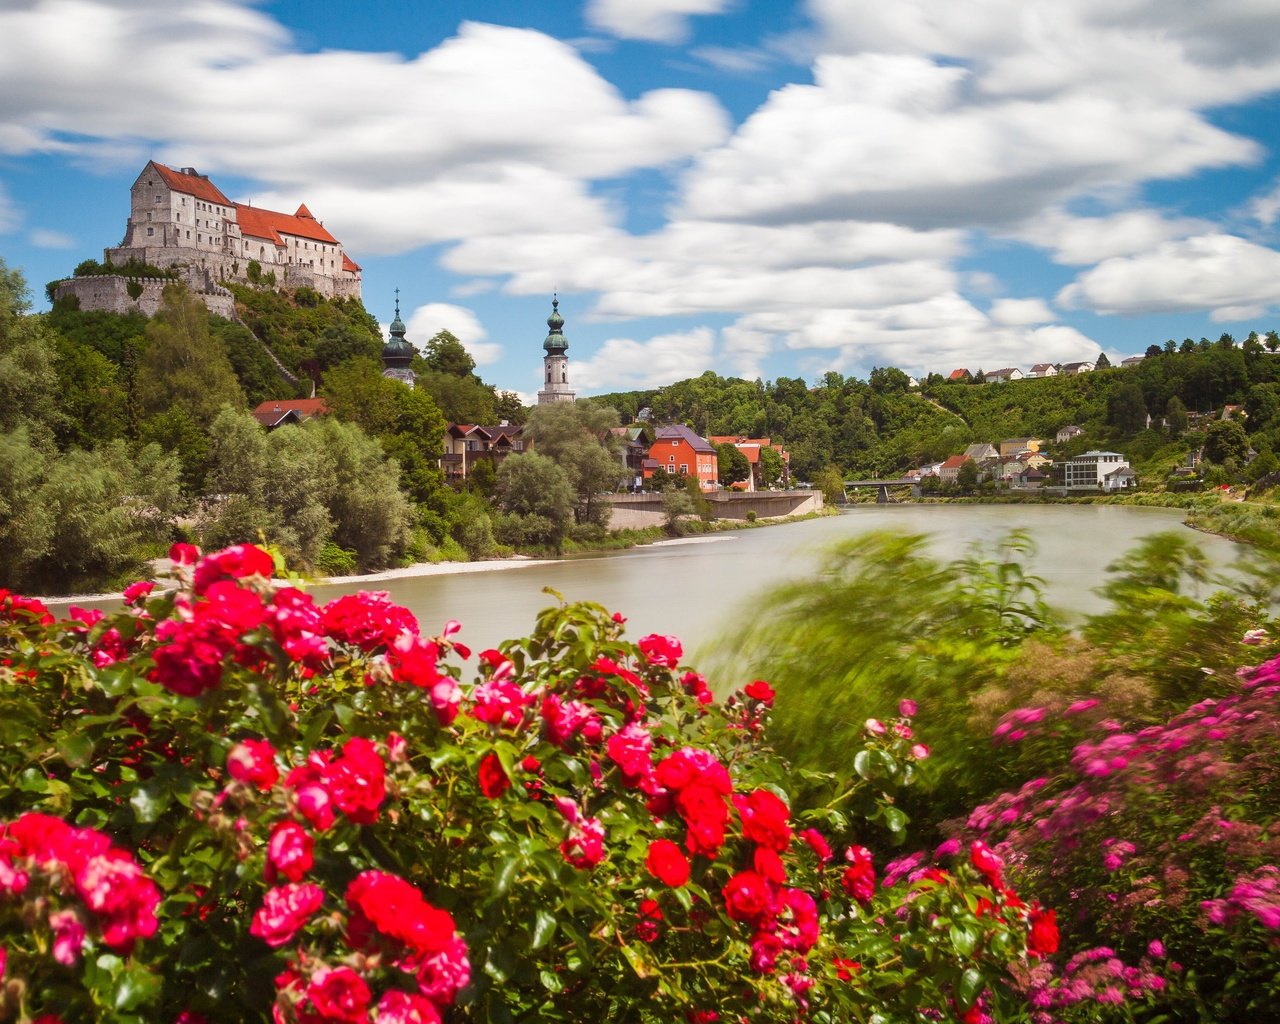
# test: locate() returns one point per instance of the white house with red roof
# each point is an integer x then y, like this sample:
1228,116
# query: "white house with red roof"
181,218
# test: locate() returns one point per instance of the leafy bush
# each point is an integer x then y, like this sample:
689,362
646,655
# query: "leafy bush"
226,803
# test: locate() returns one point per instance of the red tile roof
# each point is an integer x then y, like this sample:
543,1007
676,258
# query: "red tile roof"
191,185
273,410
955,462
958,374
350,265
269,224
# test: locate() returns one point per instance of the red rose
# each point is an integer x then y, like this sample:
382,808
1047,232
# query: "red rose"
285,909
237,561
493,780
764,819
747,897
987,861
859,878
289,850
340,994
761,691
1043,939
254,762
667,863
661,650
357,780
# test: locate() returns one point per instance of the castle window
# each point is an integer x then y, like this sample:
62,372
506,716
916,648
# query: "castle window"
157,199
151,231
188,234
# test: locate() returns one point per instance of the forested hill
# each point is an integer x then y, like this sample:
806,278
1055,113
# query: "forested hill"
882,425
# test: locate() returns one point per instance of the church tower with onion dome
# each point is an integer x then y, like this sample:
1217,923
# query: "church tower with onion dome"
555,364
397,353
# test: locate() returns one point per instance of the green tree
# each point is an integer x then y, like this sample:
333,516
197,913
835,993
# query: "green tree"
732,464
1176,413
831,484
1224,441
183,365
444,353
772,466
461,399
28,359
967,476
1126,408
676,504
534,487
405,420
1102,363
576,436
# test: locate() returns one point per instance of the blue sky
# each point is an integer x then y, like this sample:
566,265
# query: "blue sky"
756,188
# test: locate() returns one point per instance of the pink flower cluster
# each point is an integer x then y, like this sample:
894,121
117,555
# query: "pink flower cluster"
42,854
1256,893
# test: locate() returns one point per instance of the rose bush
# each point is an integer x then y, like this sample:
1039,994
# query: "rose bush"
227,803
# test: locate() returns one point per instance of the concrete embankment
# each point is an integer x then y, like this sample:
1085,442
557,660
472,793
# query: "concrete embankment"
636,511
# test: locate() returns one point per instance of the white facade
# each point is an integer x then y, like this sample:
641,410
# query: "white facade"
1092,468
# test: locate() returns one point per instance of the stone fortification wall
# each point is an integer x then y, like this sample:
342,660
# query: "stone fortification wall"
214,267
109,293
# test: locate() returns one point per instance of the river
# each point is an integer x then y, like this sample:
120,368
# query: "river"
701,588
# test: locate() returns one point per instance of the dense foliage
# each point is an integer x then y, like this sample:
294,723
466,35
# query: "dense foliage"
226,803
1125,767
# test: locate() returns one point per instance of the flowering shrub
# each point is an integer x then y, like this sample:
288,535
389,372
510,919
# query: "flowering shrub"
1164,842
225,803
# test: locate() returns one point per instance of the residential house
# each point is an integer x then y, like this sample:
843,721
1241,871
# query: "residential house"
1132,361
1034,459
681,452
962,375
751,447
950,468
633,446
1030,478
1068,433
1098,471
1013,445
1043,370
466,444
1075,369
276,412
981,451
1005,373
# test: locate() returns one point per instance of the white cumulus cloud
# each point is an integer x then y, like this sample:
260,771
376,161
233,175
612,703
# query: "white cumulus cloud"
1021,312
1221,273
431,318
621,364
659,21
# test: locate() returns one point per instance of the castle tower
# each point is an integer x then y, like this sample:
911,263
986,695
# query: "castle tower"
555,364
397,353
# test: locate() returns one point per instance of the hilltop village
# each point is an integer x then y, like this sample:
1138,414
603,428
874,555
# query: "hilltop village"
217,378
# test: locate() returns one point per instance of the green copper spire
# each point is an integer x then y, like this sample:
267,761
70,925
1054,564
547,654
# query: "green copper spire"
397,353
555,343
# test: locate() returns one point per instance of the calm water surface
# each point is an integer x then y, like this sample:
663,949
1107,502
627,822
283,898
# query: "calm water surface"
700,589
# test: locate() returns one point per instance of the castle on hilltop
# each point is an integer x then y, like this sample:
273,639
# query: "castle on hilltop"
181,220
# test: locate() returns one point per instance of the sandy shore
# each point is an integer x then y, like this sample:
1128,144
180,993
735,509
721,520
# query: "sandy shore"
436,569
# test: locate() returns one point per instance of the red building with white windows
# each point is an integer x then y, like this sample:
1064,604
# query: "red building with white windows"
678,451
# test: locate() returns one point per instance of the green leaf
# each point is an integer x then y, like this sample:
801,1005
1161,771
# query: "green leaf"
150,799
968,989
136,987
862,763
550,981
503,877
544,926
964,939
894,819
76,748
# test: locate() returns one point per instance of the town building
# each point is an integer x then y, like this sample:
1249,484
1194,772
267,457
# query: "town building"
1075,369
1005,373
555,364
1068,433
1014,445
1043,370
678,451
1132,361
633,447
751,448
276,412
950,468
960,375
466,444
981,451
1108,471
180,220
